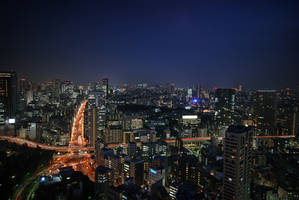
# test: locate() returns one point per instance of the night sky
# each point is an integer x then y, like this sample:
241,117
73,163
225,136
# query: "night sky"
216,43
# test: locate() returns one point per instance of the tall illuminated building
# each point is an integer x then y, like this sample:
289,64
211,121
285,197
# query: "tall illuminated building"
237,163
225,106
105,87
91,125
8,95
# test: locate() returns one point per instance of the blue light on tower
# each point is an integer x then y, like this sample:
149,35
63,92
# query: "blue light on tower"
195,100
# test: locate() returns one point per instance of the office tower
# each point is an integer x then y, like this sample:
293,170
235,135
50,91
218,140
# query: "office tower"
264,111
105,87
137,171
237,163
8,96
225,106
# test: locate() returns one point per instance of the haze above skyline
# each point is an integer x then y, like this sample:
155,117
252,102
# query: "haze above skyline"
223,44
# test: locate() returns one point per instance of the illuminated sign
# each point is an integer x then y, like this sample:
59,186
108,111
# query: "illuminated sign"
189,116
195,100
153,171
11,121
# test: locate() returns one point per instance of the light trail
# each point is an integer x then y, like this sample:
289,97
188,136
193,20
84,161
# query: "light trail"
77,134
197,139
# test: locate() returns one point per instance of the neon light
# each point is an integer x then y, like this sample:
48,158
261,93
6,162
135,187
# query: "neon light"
153,171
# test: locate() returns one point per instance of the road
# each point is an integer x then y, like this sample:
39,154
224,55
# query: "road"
32,144
76,154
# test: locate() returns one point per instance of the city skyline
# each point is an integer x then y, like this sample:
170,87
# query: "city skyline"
221,44
149,99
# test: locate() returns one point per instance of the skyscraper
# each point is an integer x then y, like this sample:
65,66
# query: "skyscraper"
225,106
198,91
105,86
8,95
237,163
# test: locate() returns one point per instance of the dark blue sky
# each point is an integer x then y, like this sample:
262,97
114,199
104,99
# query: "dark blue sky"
216,43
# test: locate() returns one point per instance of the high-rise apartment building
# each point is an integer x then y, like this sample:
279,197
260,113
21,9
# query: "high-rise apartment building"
264,111
237,163
287,113
91,124
8,95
